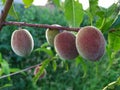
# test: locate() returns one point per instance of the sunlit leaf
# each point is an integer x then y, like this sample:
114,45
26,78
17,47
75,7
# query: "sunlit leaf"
5,67
44,45
27,3
12,11
77,61
47,51
74,12
3,1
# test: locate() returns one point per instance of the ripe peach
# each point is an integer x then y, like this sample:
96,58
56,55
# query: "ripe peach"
65,45
50,35
90,43
37,69
22,42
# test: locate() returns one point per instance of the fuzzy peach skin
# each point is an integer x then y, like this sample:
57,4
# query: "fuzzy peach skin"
22,42
50,35
90,43
65,45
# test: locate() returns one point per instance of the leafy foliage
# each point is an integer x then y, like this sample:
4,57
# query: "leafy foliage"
78,74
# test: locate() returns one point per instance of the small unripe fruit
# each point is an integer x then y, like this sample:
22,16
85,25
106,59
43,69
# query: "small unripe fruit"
22,42
90,43
37,69
65,45
50,35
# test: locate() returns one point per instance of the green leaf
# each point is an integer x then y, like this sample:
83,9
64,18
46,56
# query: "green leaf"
79,60
101,15
1,72
12,11
54,65
74,12
110,18
113,46
28,3
66,66
46,50
114,40
5,67
100,22
14,69
118,81
0,57
116,23
101,12
44,45
4,86
93,6
111,10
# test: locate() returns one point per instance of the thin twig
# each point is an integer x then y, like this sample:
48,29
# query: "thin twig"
26,69
40,26
5,11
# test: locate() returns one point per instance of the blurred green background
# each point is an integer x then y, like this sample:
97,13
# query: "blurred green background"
69,75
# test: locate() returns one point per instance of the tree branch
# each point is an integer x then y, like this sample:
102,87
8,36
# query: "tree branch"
26,69
5,11
41,26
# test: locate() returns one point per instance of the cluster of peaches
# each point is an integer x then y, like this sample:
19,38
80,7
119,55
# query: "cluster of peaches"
89,43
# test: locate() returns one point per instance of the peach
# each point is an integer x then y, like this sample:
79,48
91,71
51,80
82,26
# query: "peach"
50,35
22,42
90,43
65,45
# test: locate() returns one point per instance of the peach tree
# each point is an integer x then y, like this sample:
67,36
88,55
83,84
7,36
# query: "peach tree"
91,37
